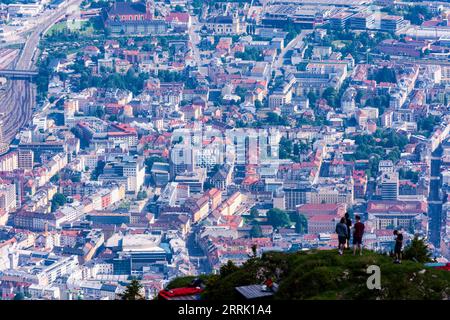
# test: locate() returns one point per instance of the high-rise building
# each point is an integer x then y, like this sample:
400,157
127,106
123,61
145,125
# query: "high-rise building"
3,145
181,159
295,195
8,197
9,161
26,159
389,185
128,169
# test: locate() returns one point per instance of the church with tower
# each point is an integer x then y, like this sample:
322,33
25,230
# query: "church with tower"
133,18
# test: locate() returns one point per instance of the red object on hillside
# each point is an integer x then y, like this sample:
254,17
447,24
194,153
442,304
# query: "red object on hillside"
446,267
180,293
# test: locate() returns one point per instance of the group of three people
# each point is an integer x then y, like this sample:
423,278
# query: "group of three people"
343,230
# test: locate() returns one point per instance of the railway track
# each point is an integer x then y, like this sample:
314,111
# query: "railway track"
17,103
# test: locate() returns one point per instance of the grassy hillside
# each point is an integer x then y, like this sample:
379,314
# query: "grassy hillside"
326,275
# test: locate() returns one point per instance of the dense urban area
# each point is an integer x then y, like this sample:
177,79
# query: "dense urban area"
156,139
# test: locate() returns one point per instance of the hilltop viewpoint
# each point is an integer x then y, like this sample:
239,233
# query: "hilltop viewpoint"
324,275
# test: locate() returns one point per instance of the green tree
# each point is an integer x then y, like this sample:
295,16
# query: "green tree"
426,125
19,296
312,97
285,148
275,119
228,268
330,95
58,200
240,92
55,178
149,162
253,54
98,170
417,250
418,14
141,195
385,74
301,224
133,291
100,112
254,213
207,185
256,231
278,218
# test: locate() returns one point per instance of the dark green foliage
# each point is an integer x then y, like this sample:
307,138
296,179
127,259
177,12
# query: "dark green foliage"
241,92
356,44
377,144
132,80
325,275
301,224
19,296
256,231
312,97
418,14
426,125
149,162
417,250
409,175
331,96
385,74
133,291
42,80
170,76
250,54
58,200
228,268
179,8
207,186
254,213
55,178
98,170
278,218
293,30
285,148
141,195
99,4
186,281
274,119
381,102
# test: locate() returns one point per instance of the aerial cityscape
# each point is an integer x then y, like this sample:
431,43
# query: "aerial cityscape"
167,149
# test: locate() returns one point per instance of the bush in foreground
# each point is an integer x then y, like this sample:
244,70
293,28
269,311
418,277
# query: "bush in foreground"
326,275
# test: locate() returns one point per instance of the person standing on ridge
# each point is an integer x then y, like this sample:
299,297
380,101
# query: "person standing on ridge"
342,232
398,246
348,222
358,232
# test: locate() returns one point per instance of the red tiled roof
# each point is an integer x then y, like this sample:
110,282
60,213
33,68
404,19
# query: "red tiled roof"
178,17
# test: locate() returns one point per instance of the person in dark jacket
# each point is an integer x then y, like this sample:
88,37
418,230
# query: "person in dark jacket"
348,222
398,246
342,232
358,232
